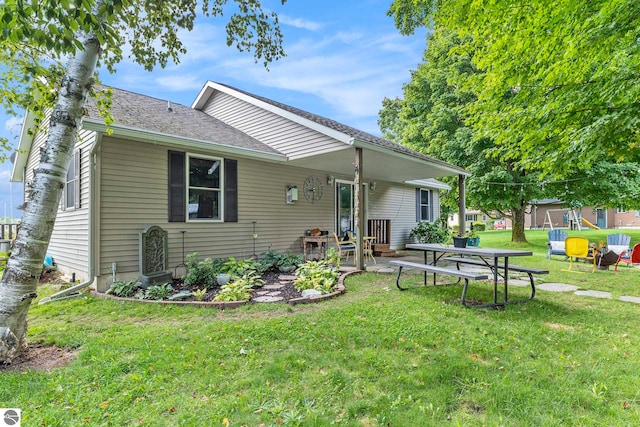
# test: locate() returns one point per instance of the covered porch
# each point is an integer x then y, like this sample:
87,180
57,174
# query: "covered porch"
366,162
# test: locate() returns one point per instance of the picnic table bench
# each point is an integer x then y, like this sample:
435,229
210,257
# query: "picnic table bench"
466,275
529,270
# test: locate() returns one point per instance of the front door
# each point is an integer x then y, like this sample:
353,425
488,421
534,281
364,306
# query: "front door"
601,218
344,208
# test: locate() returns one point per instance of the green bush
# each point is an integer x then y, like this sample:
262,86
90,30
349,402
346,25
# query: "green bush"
201,273
158,292
124,289
238,267
238,290
430,232
479,226
318,275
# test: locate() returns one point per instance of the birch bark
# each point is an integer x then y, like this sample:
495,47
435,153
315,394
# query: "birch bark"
18,286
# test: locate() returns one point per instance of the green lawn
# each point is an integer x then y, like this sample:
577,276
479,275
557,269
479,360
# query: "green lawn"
372,357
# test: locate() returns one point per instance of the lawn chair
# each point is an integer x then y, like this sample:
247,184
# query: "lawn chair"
578,247
345,247
619,243
629,258
556,243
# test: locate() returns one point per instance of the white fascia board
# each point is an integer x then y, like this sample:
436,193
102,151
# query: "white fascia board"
161,138
210,87
24,148
449,169
427,184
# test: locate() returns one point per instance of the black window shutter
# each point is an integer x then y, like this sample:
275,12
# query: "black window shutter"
418,210
230,190
177,199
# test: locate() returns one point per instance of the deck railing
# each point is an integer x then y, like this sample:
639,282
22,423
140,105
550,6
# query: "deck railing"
8,231
380,229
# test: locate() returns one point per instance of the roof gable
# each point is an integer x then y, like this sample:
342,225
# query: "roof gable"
341,132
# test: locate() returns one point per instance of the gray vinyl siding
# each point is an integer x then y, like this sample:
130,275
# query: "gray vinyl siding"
69,245
286,136
398,203
133,194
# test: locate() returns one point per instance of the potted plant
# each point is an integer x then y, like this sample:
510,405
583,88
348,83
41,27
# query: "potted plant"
430,232
460,241
472,238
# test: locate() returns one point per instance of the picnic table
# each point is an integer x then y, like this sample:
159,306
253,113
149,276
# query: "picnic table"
496,259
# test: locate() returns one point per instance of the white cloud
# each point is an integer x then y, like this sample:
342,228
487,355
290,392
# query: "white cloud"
299,23
13,124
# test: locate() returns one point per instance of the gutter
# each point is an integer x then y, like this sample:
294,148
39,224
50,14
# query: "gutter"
74,291
451,170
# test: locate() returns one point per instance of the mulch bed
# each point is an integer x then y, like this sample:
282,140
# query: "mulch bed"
270,277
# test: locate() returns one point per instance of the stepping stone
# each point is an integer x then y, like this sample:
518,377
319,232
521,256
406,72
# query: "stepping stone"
595,294
286,277
268,299
630,299
557,287
273,287
386,271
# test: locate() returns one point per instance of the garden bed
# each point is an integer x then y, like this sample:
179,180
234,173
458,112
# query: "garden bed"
272,277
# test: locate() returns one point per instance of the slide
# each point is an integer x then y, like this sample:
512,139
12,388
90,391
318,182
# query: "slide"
588,224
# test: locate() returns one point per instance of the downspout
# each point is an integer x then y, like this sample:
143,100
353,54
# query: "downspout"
74,291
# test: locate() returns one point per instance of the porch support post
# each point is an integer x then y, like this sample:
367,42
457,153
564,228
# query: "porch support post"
359,210
462,204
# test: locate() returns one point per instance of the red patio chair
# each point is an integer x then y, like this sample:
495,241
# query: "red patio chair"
633,258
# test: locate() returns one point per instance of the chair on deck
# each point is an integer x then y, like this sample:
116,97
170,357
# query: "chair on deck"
556,243
629,259
345,247
368,244
578,247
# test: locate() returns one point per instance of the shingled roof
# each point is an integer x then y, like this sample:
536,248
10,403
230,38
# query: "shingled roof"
135,111
354,133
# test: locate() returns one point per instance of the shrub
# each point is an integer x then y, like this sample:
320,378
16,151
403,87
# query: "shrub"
238,290
318,275
430,232
479,226
124,289
201,273
237,268
270,259
158,292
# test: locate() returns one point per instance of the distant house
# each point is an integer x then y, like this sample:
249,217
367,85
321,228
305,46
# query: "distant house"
555,213
235,174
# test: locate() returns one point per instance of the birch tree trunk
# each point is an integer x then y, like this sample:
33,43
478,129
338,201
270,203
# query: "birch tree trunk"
20,280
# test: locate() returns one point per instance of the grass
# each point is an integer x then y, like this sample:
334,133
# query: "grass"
372,357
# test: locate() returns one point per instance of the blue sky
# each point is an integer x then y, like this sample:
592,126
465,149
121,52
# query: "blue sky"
343,58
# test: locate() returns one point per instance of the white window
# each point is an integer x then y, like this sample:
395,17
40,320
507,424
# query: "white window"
425,205
204,180
71,192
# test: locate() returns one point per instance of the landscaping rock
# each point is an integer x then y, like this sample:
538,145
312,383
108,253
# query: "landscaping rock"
182,295
268,299
308,293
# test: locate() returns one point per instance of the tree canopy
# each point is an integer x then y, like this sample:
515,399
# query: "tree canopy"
526,99
559,88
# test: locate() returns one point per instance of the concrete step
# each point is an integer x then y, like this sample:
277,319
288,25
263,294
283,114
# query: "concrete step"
387,253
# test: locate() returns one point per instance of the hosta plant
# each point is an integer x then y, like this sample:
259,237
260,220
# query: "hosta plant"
318,275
